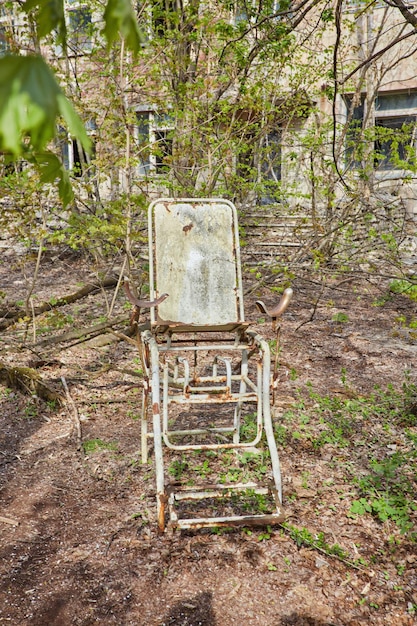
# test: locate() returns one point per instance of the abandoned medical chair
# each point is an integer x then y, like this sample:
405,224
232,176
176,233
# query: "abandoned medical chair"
206,375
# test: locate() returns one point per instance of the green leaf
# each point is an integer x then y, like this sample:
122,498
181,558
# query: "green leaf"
49,16
52,170
360,507
120,17
30,103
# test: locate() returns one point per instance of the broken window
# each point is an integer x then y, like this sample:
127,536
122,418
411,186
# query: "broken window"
80,39
392,134
154,136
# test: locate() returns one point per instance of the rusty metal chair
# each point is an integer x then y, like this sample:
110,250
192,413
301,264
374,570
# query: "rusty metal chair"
206,374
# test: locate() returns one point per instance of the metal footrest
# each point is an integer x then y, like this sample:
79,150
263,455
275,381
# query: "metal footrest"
177,494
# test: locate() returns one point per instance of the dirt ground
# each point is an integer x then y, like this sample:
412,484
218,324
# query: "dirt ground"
78,537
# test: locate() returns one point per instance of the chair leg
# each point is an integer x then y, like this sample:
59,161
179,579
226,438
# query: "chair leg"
269,430
144,426
242,390
267,421
161,497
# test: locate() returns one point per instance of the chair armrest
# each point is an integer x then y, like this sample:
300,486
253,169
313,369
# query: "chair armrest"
279,308
142,304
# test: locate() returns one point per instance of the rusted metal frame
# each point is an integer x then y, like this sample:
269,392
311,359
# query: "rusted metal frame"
208,446
238,263
269,431
229,521
274,381
248,520
186,379
189,397
208,347
178,383
144,423
201,492
161,497
210,398
182,336
166,433
204,431
144,359
151,261
228,367
242,390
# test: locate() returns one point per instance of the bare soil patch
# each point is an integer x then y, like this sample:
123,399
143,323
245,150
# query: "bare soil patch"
78,540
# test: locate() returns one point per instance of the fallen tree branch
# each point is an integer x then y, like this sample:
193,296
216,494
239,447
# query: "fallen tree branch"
81,333
13,313
29,381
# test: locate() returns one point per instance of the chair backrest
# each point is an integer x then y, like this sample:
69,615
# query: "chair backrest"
195,258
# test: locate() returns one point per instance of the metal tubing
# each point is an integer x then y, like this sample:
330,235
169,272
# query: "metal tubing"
242,391
144,425
232,520
269,431
161,497
213,446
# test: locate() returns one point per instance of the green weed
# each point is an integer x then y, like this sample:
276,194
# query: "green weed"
340,317
30,411
177,468
303,537
248,427
387,492
404,287
92,445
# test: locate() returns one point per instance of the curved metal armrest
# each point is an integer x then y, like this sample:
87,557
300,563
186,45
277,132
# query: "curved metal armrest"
142,304
278,309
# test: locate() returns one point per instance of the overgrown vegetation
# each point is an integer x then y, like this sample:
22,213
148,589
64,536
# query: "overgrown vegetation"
382,425
203,100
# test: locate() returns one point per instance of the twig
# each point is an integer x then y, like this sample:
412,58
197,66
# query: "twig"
116,291
314,546
33,319
123,337
9,520
75,416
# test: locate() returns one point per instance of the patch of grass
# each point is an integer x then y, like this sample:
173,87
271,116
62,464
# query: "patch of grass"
265,535
248,427
30,411
340,317
92,445
404,287
56,319
388,491
303,537
255,464
177,468
383,426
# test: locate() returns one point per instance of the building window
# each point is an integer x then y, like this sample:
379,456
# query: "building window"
393,134
270,167
164,16
4,42
73,155
154,136
80,39
260,164
395,142
251,11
